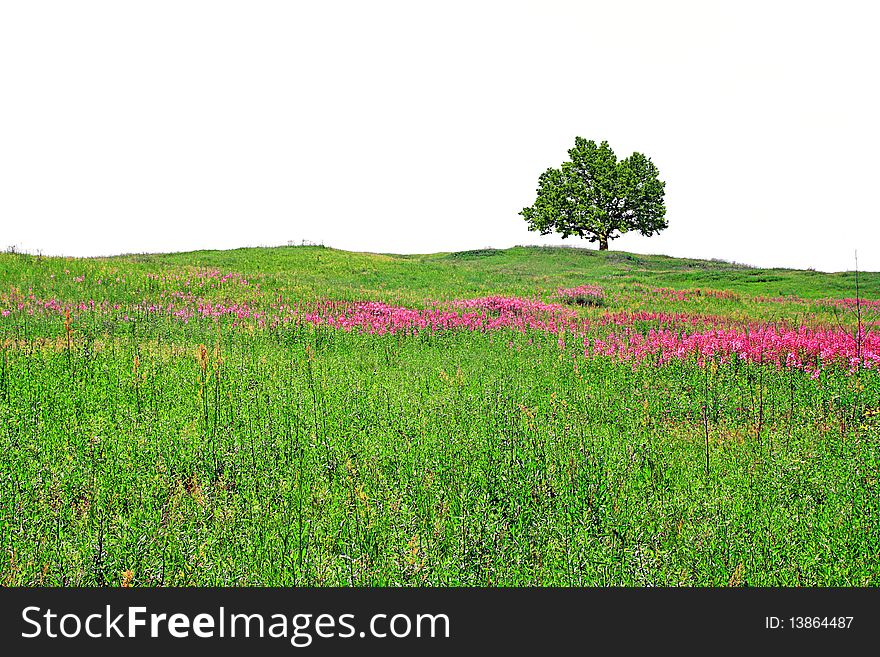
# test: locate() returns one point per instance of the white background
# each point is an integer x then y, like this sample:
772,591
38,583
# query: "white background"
418,127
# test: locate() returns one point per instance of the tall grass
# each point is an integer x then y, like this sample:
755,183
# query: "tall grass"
139,449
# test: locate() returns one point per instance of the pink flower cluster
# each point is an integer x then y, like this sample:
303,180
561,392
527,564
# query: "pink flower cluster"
808,349
484,314
634,336
513,305
852,304
588,295
32,305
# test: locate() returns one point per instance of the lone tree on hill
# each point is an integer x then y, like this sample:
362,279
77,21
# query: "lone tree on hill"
597,197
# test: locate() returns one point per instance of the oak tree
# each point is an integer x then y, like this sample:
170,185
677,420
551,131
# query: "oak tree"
598,197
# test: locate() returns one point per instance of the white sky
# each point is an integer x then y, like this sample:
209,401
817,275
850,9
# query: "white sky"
417,127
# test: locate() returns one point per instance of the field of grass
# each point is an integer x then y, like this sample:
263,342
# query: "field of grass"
307,416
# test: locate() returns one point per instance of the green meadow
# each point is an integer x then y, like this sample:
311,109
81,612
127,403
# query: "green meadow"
140,447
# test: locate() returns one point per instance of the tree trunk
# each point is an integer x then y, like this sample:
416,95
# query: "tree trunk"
603,243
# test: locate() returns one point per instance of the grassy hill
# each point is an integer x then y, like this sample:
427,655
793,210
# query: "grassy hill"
507,271
310,416
511,271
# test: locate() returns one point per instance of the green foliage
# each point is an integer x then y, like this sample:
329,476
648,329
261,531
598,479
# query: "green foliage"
596,197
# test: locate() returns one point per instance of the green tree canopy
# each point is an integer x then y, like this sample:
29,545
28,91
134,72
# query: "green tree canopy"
596,197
